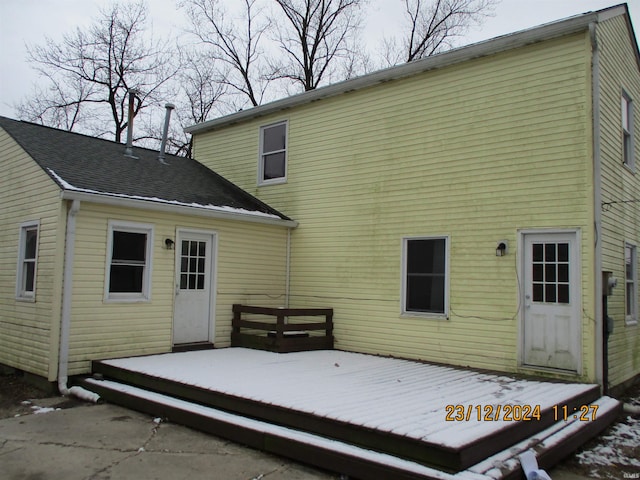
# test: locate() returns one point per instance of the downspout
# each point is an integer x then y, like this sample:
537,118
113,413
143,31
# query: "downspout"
288,270
65,324
597,210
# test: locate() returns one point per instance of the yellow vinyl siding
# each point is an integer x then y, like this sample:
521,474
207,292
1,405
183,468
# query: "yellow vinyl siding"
250,268
29,330
475,151
620,221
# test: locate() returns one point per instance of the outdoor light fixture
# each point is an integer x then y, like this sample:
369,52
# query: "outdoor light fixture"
501,248
168,243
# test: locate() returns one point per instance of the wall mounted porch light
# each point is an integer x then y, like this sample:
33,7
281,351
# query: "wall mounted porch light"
502,248
168,243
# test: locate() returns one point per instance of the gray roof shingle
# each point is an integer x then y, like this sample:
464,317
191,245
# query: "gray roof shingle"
100,166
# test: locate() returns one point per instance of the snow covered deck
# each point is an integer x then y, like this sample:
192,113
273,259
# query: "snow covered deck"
439,417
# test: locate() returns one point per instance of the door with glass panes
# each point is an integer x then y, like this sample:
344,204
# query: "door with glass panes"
193,319
552,312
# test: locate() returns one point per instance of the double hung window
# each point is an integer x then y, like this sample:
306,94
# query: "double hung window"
273,154
627,131
27,261
425,267
129,262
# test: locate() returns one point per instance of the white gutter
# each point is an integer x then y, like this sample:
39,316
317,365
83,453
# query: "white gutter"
65,323
452,57
106,199
597,207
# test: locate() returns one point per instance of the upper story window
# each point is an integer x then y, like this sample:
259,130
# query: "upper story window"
273,154
631,283
425,267
128,276
27,261
627,131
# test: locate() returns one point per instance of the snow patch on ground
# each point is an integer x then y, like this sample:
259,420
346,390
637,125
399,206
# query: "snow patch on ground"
611,446
37,410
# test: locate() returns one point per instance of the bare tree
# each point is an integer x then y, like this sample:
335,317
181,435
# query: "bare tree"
202,86
234,42
315,35
203,91
58,106
357,64
90,71
434,24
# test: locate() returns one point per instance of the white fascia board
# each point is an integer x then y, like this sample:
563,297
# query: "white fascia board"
105,199
488,47
611,12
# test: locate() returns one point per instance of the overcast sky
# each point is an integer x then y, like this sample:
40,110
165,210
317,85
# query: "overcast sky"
29,21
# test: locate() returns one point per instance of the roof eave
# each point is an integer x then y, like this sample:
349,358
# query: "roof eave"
481,49
106,199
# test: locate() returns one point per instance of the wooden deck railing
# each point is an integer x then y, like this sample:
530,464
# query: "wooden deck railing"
280,336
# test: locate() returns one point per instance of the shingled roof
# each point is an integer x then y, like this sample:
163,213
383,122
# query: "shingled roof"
94,166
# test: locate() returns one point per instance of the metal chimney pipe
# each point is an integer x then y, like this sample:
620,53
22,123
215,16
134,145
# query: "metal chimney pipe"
165,131
129,150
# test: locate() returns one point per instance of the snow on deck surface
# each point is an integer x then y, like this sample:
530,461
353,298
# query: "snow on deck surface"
392,395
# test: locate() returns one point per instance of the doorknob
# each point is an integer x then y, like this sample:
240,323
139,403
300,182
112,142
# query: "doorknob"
527,303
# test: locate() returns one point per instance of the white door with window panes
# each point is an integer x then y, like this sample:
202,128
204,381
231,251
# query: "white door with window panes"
551,303
193,319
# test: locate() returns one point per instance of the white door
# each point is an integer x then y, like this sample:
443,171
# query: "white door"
552,305
192,320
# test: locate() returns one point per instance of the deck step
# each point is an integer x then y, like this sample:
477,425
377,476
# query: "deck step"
550,445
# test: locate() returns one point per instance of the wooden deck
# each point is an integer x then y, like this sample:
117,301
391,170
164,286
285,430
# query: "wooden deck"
394,407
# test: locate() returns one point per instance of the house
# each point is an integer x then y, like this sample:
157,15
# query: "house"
105,254
480,207
476,208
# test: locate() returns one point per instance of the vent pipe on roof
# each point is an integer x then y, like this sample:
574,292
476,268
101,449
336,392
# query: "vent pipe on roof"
128,152
165,132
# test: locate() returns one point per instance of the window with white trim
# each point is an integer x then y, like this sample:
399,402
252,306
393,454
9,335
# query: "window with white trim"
27,261
631,283
273,154
425,271
128,276
627,131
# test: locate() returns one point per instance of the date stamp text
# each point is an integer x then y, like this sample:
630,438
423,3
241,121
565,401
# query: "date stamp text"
517,413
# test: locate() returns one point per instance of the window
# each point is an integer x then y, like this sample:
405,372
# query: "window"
550,271
193,258
425,267
129,262
631,283
627,130
273,154
27,261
